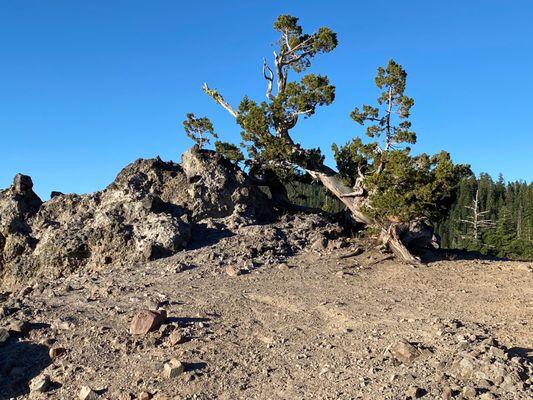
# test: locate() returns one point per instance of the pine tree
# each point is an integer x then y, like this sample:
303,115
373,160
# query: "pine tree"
381,184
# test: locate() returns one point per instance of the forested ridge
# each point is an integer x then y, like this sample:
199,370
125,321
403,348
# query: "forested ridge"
504,218
504,222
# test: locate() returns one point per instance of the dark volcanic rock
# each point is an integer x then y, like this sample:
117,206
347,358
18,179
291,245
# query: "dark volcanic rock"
145,214
219,189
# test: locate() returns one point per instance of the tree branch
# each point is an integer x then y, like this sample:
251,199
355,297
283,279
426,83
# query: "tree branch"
296,113
215,95
269,76
297,47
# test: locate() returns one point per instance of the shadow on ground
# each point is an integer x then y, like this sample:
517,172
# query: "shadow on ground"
204,236
521,352
429,256
20,362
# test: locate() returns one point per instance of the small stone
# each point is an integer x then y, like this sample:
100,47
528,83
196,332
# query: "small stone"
176,338
146,321
487,396
467,366
283,267
469,392
145,396
25,291
404,351
496,352
86,393
40,384
415,392
447,393
4,335
320,244
56,352
233,271
484,383
173,368
153,304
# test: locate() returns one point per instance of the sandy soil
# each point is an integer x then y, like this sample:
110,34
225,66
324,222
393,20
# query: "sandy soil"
306,326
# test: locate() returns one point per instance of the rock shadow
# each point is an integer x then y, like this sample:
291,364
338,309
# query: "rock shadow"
203,236
20,362
521,352
195,366
186,321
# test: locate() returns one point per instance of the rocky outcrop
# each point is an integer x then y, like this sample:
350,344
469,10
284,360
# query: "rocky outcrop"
147,213
218,189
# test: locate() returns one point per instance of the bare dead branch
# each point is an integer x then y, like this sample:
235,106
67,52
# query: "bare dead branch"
354,253
215,95
269,76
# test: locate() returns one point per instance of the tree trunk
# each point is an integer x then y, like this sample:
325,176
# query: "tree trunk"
394,235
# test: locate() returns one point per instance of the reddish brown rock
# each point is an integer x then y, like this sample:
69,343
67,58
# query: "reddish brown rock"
146,321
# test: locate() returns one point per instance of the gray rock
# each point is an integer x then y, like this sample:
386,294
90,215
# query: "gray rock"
20,327
404,351
173,368
86,393
469,392
233,271
414,392
4,335
40,384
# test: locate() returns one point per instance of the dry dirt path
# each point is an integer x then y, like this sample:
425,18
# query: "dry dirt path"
316,328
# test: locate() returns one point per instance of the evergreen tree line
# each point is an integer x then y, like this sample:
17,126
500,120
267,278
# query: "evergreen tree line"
492,217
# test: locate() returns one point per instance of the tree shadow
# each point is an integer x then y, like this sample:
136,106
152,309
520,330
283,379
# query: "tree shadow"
20,362
429,256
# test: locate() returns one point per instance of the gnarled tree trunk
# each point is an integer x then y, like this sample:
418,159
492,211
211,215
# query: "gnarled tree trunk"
396,236
391,234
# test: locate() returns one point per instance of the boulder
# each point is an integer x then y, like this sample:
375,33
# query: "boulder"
219,189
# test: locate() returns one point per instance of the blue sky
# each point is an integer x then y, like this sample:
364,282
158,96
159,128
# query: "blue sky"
88,86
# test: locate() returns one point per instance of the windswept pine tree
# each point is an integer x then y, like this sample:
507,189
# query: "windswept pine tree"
383,185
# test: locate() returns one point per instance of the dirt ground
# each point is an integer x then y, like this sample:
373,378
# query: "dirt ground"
311,325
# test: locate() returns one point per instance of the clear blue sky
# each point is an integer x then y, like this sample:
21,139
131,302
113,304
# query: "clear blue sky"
88,86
